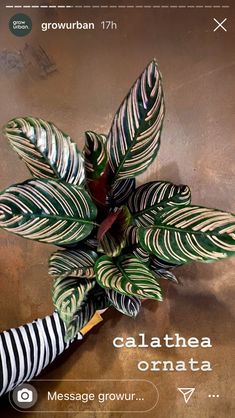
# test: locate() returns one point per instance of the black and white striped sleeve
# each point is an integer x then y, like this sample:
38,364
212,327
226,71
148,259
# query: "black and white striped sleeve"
27,350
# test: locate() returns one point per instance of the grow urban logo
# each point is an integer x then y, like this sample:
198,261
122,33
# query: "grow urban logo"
20,24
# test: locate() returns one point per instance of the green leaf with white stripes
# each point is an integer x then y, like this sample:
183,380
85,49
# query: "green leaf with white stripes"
150,198
48,211
127,305
112,232
192,233
165,274
95,155
73,263
68,295
134,138
158,264
96,299
127,275
133,246
120,191
47,151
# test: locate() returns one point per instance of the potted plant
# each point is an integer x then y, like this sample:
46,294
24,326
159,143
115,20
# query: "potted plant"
118,240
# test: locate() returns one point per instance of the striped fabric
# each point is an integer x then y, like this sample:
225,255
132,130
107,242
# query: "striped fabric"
27,350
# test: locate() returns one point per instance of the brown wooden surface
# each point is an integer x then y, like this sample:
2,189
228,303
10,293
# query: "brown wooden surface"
95,70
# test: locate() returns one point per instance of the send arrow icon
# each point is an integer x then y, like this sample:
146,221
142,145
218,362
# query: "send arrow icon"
187,393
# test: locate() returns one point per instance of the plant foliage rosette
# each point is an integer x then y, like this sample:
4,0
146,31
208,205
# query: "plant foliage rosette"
118,240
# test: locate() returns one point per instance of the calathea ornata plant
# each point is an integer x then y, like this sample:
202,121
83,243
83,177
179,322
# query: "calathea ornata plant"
118,240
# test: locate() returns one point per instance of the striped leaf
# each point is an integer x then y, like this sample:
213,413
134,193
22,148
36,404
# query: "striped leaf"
120,192
133,245
112,232
47,151
91,242
150,198
73,263
128,305
48,211
97,299
127,275
158,264
95,155
140,254
68,295
134,138
192,233
165,274
110,245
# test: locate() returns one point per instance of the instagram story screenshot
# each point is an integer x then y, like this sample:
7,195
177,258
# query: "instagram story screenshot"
117,210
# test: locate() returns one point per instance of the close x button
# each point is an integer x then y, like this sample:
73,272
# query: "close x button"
220,24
